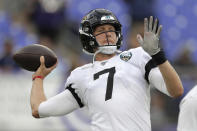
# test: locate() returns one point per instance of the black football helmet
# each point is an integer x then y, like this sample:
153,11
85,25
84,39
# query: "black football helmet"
93,19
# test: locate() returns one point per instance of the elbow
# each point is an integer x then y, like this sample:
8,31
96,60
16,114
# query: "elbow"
35,113
178,93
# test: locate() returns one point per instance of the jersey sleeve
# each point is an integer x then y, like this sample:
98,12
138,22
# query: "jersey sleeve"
151,72
58,105
67,101
157,81
74,85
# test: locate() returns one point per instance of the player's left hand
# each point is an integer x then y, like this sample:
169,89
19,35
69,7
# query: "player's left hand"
150,43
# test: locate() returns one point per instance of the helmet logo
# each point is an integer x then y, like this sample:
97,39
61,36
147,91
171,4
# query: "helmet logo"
84,18
107,17
125,56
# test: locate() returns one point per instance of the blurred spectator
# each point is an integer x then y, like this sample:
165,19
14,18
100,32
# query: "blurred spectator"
6,62
46,41
137,28
48,17
159,119
185,57
186,67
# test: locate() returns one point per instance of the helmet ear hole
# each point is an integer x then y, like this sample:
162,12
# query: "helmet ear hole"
93,19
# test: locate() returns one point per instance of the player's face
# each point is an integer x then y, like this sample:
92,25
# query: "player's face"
105,35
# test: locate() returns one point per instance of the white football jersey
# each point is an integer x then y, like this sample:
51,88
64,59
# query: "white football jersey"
187,120
116,92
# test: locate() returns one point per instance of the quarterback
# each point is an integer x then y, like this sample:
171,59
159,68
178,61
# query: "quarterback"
115,87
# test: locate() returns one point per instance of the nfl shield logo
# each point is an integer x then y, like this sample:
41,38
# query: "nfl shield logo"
125,56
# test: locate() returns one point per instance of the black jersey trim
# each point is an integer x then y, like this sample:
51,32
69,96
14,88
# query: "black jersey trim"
150,65
75,95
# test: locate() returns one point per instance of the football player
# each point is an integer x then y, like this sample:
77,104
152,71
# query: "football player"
115,88
187,120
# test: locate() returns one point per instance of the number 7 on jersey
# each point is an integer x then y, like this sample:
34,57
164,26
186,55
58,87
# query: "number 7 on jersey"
110,81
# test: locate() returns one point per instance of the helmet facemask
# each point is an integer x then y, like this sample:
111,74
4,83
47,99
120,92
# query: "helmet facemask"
108,47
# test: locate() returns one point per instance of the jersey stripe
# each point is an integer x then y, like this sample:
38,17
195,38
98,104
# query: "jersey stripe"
150,65
75,95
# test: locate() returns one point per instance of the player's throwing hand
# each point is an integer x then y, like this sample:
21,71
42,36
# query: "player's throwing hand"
42,70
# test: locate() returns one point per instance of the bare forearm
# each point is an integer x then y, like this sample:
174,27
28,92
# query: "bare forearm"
172,80
37,92
37,96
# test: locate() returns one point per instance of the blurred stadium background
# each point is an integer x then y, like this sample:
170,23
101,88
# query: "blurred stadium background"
55,23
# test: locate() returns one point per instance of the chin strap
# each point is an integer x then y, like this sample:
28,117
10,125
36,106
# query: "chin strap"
98,51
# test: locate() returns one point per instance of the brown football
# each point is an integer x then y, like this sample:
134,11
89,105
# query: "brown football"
28,57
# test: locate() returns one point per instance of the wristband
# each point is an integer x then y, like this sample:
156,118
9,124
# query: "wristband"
159,58
41,77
